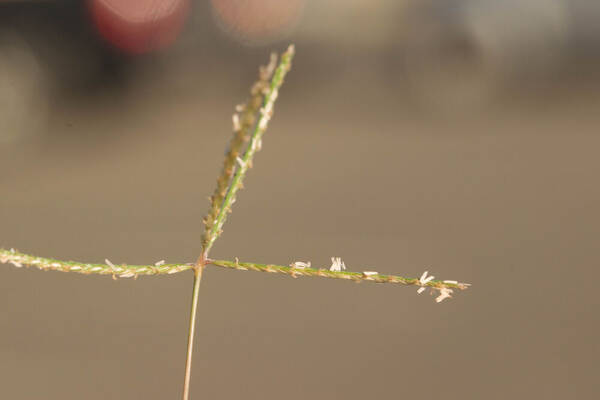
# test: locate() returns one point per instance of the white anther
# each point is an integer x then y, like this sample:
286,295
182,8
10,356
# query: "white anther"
257,145
267,109
159,263
274,95
337,264
241,162
264,121
236,123
444,294
300,265
424,279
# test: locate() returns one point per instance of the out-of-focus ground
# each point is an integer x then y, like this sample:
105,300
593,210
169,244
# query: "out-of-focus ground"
460,139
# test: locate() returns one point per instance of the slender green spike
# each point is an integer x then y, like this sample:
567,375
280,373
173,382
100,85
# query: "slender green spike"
365,276
115,270
244,120
245,162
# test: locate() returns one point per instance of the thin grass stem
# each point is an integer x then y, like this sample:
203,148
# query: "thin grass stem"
190,346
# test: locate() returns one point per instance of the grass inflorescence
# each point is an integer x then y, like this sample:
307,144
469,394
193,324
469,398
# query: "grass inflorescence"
250,122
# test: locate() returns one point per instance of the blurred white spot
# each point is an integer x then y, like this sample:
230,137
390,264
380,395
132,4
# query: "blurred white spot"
457,59
517,36
23,105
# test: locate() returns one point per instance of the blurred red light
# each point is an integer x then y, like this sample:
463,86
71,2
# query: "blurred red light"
139,26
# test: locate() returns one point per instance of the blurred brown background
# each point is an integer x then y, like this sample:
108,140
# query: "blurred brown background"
459,137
